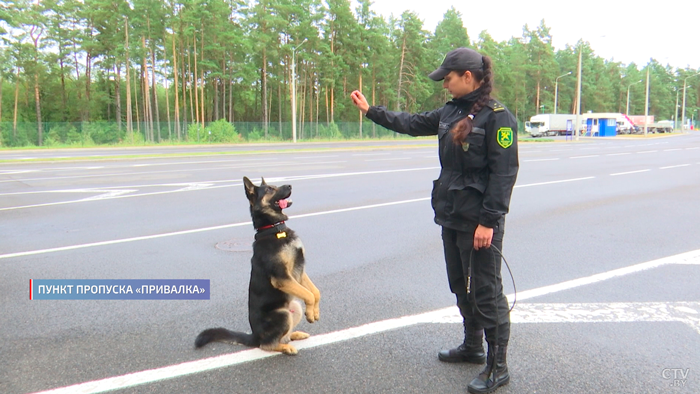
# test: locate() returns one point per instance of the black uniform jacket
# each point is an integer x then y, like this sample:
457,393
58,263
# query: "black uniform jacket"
477,178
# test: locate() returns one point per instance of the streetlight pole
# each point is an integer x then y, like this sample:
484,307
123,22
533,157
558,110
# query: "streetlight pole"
683,111
556,90
646,106
294,94
675,117
627,109
578,93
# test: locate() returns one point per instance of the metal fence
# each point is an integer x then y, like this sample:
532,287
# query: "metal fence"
78,134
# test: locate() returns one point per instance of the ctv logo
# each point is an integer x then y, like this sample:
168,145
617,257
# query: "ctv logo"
677,376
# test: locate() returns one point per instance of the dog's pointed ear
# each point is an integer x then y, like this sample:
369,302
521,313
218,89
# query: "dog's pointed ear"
263,181
249,187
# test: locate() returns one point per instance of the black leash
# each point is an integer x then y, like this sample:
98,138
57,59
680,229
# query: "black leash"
495,297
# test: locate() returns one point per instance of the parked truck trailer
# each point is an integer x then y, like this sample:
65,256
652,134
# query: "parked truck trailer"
549,124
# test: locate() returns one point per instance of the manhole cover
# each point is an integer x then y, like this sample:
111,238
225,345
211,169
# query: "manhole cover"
236,245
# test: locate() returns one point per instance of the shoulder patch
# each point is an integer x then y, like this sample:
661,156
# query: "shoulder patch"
496,106
505,137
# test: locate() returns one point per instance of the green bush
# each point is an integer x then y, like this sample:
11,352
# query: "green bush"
195,133
255,135
330,132
221,131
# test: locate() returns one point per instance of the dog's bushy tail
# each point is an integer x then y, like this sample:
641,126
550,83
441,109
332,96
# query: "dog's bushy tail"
224,335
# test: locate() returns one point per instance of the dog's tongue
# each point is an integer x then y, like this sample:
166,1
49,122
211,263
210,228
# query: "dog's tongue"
283,204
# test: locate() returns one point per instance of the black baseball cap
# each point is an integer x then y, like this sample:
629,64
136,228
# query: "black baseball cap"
460,59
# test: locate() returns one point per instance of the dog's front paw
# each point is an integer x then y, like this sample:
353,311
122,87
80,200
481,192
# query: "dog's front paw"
317,313
310,317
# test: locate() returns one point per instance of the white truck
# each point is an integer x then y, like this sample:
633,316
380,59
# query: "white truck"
549,124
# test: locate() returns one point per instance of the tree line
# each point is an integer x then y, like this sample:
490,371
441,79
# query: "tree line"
110,71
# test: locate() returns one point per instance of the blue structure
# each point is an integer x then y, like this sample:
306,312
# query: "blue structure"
601,127
607,127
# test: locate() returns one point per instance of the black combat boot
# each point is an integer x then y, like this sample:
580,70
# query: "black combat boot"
470,351
494,375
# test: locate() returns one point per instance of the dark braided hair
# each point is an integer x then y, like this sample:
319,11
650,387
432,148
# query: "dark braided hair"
464,126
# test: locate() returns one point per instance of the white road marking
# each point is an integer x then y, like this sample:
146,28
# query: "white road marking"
108,194
147,237
540,160
195,186
648,151
629,172
313,157
12,172
680,165
370,154
391,158
671,150
277,179
618,154
696,147
131,174
198,230
554,182
583,157
613,312
686,312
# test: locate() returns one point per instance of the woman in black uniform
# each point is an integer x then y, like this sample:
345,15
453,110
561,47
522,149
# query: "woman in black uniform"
479,164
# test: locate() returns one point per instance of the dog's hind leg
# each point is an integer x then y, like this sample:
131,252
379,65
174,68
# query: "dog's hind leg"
295,312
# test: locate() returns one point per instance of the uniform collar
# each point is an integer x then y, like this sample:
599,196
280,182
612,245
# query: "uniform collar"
467,100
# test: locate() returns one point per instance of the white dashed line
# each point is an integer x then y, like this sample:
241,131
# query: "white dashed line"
629,172
680,165
392,158
582,157
540,160
671,150
618,154
370,154
648,151
553,182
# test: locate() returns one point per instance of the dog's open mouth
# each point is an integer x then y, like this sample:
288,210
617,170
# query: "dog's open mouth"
284,203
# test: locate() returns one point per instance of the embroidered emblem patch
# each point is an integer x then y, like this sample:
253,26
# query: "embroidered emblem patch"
505,137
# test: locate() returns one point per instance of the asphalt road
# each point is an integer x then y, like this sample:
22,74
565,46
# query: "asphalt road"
602,240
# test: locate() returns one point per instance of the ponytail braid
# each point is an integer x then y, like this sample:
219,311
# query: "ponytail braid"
464,126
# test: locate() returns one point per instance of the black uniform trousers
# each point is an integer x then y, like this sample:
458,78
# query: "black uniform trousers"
478,308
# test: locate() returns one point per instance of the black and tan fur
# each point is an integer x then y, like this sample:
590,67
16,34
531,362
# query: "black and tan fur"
277,277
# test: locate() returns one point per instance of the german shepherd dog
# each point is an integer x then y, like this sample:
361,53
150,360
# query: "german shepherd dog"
277,276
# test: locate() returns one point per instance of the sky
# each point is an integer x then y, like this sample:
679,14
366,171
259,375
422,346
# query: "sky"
623,31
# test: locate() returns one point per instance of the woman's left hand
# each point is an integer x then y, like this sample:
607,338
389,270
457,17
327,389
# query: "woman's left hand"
482,237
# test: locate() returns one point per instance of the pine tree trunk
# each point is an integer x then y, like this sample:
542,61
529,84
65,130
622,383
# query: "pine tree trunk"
0,109
398,88
155,91
37,104
129,121
263,98
374,88
361,115
88,76
118,96
136,105
14,116
177,102
167,111
196,76
63,89
230,101
328,117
